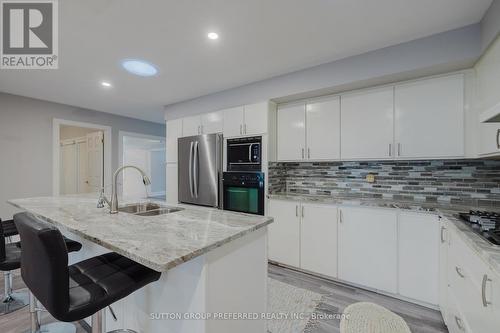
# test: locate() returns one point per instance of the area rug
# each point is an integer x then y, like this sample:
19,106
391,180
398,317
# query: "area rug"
289,308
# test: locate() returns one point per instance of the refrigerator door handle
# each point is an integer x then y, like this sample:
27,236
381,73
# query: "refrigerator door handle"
190,171
195,169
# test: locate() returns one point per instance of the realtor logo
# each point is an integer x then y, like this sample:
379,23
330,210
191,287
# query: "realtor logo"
29,34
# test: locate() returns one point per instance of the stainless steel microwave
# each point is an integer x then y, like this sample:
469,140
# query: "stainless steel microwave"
244,154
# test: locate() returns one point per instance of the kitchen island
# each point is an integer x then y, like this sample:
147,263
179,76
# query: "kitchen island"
214,263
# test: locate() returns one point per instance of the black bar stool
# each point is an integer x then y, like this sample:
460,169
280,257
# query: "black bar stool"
72,293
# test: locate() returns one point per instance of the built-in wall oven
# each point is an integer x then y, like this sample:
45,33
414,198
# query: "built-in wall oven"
243,192
244,154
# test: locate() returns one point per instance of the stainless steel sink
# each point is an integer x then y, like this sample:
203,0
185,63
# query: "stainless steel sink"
148,209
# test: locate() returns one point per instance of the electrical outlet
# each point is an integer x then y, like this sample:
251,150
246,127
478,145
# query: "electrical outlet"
370,178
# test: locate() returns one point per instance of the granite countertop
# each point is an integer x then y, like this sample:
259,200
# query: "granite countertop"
488,252
158,242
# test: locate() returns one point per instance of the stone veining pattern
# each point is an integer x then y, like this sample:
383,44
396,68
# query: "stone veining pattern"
158,242
462,182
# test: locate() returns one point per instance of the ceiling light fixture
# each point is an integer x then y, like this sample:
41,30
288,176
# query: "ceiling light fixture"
139,67
106,84
212,35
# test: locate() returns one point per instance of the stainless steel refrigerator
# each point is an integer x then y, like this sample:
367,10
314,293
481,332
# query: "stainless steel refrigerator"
200,167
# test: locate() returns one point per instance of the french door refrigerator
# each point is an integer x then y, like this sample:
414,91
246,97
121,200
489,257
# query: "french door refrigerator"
200,166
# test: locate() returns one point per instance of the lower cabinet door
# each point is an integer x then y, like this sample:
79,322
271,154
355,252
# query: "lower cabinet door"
444,243
318,239
368,247
419,256
284,232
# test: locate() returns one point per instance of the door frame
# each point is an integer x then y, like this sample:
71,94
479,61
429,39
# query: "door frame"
121,134
56,132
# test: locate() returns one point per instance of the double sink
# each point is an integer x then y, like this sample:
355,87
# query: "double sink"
148,209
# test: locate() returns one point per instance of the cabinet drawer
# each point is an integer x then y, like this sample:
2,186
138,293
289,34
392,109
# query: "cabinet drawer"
455,321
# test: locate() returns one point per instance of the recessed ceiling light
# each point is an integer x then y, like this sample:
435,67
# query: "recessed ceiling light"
139,67
212,35
106,84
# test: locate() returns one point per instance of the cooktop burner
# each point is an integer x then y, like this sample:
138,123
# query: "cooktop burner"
486,224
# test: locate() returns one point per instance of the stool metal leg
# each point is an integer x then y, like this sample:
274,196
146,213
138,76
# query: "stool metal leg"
57,327
97,322
12,300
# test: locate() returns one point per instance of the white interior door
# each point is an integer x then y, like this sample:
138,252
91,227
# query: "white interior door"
95,150
83,183
318,239
69,169
291,132
368,247
323,129
368,124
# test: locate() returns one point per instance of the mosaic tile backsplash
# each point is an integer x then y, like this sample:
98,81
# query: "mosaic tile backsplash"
468,182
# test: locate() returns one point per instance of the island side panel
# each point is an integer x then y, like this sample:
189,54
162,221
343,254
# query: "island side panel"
237,283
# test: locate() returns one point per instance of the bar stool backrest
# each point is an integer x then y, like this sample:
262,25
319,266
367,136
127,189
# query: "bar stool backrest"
2,243
44,263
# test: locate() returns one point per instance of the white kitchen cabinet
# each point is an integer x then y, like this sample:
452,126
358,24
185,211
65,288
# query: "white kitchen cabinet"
418,249
212,122
444,242
323,129
489,140
429,118
172,191
191,126
291,132
284,232
367,124
174,132
256,118
318,239
368,247
233,121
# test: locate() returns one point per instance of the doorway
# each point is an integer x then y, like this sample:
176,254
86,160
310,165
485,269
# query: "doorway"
82,157
148,153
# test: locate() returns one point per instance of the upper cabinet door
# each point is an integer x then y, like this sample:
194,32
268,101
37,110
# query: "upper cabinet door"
323,130
212,122
291,132
174,131
233,121
430,118
191,126
256,118
367,125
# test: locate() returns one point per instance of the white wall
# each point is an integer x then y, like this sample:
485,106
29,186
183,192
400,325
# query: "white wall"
456,49
26,143
72,132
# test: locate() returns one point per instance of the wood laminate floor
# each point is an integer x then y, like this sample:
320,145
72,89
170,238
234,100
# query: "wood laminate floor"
337,296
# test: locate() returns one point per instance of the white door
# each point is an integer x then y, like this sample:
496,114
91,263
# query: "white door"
233,121
368,247
191,126
368,124
83,183
323,129
172,184
212,122
68,169
256,118
291,132
95,149
284,232
174,132
489,138
429,117
443,264
318,239
419,257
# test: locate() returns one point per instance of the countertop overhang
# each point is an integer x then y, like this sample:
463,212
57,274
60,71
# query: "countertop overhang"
158,242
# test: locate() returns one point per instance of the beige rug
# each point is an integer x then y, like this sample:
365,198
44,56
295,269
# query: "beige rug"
365,317
290,307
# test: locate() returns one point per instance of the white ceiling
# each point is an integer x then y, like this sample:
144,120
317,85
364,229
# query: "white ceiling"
259,39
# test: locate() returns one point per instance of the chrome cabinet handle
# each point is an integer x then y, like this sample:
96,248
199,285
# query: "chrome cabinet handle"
390,149
483,290
308,152
245,129
241,129
297,210
442,234
459,323
302,211
302,153
341,216
399,149
112,313
498,138
459,272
